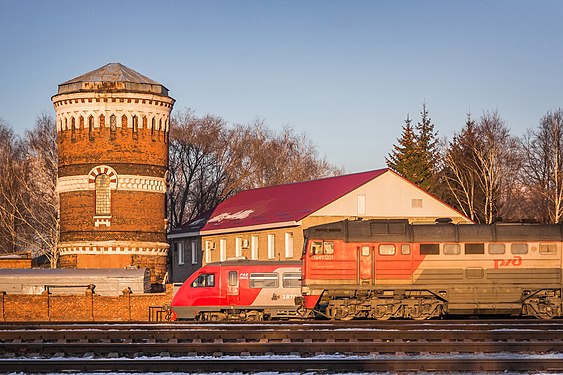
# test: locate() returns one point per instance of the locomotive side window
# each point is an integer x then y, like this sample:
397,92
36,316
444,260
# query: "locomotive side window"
233,278
496,248
329,247
365,251
204,280
429,249
548,248
264,280
316,247
291,280
386,249
474,248
405,249
519,248
452,249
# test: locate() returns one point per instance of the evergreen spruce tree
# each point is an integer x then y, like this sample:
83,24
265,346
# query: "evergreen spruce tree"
415,157
427,151
403,157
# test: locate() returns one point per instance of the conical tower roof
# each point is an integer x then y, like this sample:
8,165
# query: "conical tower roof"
111,78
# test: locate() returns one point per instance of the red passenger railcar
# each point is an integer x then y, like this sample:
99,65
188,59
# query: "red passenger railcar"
241,290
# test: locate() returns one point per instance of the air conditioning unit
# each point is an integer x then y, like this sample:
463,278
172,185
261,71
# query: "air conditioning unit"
245,244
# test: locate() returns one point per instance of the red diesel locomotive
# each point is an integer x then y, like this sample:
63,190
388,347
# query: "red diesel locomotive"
381,269
240,290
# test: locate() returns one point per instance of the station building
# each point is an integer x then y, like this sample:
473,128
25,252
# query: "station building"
268,223
113,126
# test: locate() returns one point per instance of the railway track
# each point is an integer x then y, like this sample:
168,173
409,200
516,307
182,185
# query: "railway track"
320,346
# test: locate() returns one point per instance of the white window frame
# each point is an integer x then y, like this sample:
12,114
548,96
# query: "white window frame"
238,247
180,247
289,245
361,204
254,247
271,246
208,255
222,250
194,252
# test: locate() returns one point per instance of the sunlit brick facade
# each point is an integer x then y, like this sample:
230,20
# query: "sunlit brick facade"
113,125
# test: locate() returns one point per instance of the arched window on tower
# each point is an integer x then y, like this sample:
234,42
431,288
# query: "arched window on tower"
112,126
135,127
103,195
153,124
91,127
73,129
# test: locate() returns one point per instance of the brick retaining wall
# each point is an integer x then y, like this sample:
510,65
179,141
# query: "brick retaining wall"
88,307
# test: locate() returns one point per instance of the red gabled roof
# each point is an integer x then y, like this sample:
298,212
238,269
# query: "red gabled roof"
284,203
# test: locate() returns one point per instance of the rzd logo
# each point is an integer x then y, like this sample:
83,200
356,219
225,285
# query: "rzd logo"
514,262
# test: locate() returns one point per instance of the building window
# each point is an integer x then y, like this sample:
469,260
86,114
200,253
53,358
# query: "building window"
103,196
254,247
208,249
135,127
289,245
361,204
222,250
238,247
271,246
91,127
180,247
194,252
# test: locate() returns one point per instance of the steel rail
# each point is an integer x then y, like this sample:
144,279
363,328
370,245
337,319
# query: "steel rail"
280,365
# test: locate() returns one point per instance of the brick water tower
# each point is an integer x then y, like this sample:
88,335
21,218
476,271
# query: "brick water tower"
113,125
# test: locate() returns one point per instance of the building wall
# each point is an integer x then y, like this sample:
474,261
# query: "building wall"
391,196
124,136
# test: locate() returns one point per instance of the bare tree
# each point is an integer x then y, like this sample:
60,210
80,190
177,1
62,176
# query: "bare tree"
210,161
542,172
459,172
29,202
481,169
11,194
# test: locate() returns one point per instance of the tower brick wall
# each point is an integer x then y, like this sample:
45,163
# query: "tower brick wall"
113,126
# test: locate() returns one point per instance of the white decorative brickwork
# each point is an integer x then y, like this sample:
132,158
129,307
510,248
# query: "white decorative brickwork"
114,247
123,182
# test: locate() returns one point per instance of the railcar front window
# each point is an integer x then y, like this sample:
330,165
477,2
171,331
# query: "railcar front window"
329,247
204,280
291,279
264,280
405,249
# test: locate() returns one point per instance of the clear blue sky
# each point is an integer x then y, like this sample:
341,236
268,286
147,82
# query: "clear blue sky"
346,73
